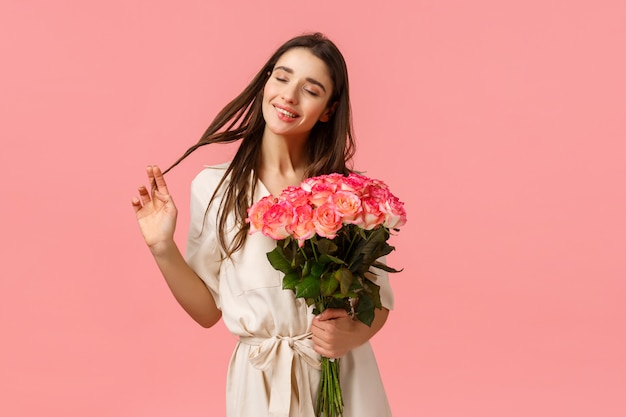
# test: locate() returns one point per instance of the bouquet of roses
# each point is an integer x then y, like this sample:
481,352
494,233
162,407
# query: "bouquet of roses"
331,230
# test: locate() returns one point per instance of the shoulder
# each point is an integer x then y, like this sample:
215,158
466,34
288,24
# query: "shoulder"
205,183
209,177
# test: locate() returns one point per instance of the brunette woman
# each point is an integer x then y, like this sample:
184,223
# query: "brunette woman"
293,121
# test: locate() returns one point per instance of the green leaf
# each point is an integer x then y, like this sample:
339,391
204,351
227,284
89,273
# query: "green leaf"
317,270
386,249
345,278
368,251
356,262
335,260
326,246
328,285
364,309
341,296
374,244
338,302
320,306
309,287
300,259
278,260
357,284
374,291
290,280
324,259
385,267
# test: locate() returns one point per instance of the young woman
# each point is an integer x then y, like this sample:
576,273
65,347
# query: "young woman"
294,122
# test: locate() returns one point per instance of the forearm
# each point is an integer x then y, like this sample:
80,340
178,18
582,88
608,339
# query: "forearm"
363,332
186,286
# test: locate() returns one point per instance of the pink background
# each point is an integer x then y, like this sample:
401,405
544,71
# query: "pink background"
500,124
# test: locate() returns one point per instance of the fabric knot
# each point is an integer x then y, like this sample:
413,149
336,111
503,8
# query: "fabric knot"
289,340
277,354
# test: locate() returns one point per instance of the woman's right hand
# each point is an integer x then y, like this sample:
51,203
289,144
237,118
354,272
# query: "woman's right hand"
155,211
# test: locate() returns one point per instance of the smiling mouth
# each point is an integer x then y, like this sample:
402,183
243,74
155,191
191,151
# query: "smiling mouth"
286,113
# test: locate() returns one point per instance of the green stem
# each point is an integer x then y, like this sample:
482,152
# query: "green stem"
294,250
329,400
313,240
354,237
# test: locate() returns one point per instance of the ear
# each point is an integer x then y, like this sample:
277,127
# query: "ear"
328,112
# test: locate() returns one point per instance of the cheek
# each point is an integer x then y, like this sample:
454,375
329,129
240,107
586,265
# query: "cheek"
266,95
318,110
269,90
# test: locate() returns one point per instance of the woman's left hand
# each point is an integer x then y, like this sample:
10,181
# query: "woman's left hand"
335,333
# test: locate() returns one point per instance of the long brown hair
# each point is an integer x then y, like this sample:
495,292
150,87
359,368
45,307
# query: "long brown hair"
330,146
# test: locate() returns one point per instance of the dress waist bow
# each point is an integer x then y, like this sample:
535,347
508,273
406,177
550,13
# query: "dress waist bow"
283,355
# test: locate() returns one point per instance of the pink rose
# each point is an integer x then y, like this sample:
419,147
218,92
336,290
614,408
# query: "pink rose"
257,211
334,178
295,195
348,205
276,220
373,214
355,183
395,214
322,193
378,184
302,227
326,220
380,194
309,183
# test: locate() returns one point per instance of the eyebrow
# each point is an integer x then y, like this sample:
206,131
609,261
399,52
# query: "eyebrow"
311,80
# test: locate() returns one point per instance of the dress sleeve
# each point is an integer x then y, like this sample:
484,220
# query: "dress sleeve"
381,278
202,252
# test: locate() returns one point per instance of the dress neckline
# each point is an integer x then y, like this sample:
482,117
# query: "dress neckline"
263,188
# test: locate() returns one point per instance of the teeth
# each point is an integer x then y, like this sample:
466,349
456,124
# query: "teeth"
285,112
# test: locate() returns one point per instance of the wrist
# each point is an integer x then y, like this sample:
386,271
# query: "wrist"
163,248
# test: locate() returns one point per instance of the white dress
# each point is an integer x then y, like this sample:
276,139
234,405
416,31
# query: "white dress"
274,371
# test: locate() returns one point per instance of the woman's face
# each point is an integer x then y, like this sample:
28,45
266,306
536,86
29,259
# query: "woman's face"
296,95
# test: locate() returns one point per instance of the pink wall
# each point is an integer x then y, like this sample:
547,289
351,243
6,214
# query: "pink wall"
501,124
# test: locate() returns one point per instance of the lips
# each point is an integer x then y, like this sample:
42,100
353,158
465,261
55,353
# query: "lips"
286,113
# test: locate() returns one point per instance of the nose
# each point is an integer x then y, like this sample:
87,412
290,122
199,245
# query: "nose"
290,93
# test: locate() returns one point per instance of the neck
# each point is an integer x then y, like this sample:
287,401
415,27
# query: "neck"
284,156
283,162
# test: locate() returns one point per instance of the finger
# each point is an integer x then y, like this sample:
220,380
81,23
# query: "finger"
161,185
326,352
332,313
320,343
321,338
136,204
317,327
144,195
324,329
164,198
151,180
